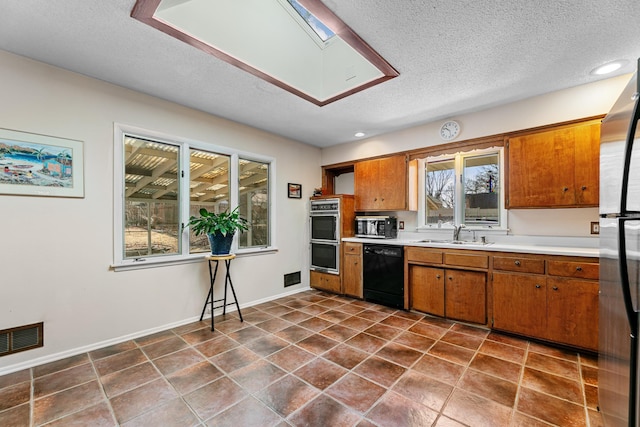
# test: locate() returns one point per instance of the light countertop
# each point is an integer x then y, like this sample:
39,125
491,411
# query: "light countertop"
583,247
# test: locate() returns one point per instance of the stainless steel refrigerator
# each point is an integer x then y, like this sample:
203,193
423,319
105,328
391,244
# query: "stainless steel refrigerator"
618,385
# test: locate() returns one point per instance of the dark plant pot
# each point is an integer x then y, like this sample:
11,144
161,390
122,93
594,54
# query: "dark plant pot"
220,245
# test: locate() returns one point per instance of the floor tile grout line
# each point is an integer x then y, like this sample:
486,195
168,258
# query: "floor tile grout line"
104,392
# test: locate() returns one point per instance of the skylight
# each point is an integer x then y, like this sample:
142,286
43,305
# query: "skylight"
289,43
316,25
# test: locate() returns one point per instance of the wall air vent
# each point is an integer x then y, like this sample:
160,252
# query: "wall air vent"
21,338
292,279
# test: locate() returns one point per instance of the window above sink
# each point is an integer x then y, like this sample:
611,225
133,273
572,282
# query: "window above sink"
464,188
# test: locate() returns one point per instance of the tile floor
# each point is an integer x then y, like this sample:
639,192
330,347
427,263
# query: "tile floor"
311,359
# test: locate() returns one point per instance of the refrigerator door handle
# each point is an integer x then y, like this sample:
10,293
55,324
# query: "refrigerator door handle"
632,314
631,132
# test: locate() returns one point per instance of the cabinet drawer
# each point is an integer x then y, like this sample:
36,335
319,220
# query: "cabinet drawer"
325,281
524,265
423,255
466,260
583,270
353,248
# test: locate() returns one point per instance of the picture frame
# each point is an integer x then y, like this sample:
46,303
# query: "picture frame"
40,165
294,191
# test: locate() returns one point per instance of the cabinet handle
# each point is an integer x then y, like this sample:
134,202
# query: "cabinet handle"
565,188
537,286
517,262
555,288
437,276
584,187
450,278
375,199
382,199
578,268
355,263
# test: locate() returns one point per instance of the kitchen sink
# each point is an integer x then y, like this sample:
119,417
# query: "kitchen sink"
468,242
456,242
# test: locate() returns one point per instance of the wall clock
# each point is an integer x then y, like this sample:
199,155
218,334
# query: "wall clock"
449,130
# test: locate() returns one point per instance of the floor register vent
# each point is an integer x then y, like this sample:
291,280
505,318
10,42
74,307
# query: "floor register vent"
21,338
292,279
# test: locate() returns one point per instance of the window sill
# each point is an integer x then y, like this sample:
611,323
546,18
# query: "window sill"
163,262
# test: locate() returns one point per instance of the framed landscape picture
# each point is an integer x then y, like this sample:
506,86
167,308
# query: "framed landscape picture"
40,165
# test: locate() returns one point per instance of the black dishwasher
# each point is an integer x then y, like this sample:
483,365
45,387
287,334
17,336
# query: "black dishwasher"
383,275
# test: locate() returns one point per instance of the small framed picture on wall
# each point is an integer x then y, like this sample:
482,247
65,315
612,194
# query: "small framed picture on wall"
294,191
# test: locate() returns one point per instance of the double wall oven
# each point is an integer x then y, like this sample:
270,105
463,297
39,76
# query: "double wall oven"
324,221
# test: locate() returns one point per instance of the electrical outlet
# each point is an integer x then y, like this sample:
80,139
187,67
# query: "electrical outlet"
595,227
401,225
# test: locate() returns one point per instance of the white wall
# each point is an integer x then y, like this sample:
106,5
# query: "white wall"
55,252
570,104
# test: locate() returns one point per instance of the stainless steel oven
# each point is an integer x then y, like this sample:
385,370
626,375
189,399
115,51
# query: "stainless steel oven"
324,224
325,257
324,219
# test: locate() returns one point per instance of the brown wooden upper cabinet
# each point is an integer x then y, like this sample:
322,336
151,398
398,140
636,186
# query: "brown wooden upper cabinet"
557,167
381,184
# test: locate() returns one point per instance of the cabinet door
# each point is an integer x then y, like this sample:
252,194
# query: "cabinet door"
365,176
381,184
541,169
325,281
572,307
520,304
587,168
426,287
392,183
352,275
466,296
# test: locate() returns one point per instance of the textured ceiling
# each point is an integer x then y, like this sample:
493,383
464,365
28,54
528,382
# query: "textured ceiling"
453,56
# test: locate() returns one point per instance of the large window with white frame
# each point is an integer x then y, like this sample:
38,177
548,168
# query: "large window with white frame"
464,188
161,181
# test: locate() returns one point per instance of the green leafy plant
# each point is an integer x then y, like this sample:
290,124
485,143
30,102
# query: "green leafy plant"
212,223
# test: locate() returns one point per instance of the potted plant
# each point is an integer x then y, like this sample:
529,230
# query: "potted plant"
220,228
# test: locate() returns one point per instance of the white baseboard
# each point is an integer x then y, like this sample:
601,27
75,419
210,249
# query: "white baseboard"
87,348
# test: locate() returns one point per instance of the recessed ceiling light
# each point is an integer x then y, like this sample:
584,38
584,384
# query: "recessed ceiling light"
359,134
609,67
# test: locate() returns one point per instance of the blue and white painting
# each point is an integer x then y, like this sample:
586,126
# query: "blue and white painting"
37,164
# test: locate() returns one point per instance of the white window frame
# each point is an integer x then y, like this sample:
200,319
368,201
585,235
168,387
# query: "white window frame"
119,261
458,159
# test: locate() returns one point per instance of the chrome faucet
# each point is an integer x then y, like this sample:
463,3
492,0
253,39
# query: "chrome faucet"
456,231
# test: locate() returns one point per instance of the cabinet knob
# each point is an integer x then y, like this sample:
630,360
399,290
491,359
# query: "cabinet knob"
355,263
578,268
555,288
450,278
584,187
538,286
565,188
375,199
382,199
437,276
517,262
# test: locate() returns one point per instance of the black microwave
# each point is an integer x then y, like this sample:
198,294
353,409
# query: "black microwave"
377,227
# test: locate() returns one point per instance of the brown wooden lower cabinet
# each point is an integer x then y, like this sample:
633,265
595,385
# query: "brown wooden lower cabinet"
556,309
466,295
455,294
572,312
519,303
427,289
325,282
352,270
